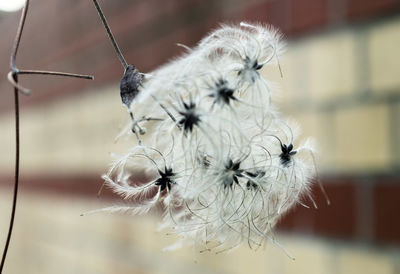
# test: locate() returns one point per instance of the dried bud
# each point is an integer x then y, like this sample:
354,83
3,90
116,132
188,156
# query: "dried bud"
129,85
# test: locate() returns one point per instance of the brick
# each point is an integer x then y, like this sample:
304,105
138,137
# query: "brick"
282,95
395,135
254,262
276,13
362,138
291,87
308,14
361,261
361,9
331,66
318,127
386,215
311,257
336,220
383,41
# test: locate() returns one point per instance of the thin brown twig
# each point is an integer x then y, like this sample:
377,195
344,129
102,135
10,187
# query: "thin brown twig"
16,175
18,37
17,139
14,82
26,91
56,73
114,43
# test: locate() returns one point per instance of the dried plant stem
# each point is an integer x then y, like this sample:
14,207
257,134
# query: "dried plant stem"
16,175
114,43
20,88
26,91
18,36
56,73
130,71
17,145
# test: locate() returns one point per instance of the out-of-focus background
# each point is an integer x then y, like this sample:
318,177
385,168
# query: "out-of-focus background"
341,82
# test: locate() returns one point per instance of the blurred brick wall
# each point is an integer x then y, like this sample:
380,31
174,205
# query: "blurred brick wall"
340,82
342,87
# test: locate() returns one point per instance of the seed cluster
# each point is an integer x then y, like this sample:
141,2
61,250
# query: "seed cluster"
224,164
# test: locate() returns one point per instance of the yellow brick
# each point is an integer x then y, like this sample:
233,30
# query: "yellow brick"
286,87
384,54
319,127
362,138
311,257
395,124
292,87
331,66
357,261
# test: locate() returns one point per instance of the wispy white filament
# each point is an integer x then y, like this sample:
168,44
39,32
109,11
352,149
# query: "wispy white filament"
222,159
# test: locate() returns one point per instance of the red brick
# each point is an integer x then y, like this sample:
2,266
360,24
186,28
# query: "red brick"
360,9
291,16
336,220
387,208
308,15
274,12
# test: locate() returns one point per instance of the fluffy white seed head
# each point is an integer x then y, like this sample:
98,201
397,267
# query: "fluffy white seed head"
221,159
